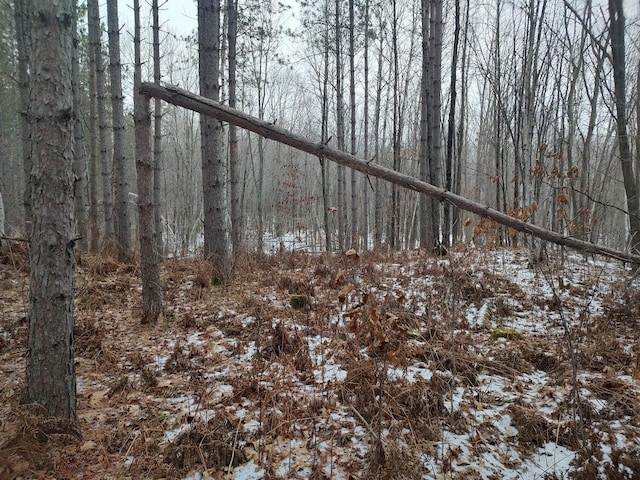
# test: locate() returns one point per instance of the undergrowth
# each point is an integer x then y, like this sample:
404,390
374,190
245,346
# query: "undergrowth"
390,359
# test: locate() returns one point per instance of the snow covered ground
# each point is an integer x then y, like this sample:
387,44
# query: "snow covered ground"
472,365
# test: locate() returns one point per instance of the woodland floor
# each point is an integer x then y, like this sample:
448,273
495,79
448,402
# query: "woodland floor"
471,365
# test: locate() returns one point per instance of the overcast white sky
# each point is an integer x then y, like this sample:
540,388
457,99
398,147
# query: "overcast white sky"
179,16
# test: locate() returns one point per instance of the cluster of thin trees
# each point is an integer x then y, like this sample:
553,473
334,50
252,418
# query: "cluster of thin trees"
524,106
519,105
519,111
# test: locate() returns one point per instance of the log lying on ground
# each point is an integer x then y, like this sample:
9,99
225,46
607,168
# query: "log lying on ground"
191,101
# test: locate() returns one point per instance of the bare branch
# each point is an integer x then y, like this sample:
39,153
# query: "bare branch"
191,101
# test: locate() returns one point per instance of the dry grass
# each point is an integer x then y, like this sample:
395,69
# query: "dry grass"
365,316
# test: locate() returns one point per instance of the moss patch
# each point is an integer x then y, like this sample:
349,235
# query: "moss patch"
508,333
298,302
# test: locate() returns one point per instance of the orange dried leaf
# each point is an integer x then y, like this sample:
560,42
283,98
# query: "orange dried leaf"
346,290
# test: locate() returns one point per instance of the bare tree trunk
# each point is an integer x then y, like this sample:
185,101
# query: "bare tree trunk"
637,142
2,228
21,15
50,365
342,202
585,174
180,97
157,135
425,204
457,229
377,213
213,162
394,220
403,206
94,224
446,222
260,190
616,33
79,154
365,187
325,133
234,167
151,285
572,122
530,79
435,110
352,103
500,175
122,221
96,45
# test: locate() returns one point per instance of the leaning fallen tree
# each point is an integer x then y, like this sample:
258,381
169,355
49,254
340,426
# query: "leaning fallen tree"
191,101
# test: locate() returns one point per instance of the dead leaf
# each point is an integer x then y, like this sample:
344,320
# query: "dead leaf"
346,290
88,445
98,396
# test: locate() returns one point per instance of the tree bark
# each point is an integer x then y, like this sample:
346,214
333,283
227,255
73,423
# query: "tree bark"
234,166
94,224
395,208
21,13
616,32
425,204
205,106
2,232
365,192
342,187
213,163
324,166
50,368
151,285
456,228
435,110
377,201
79,153
157,135
122,221
352,105
95,41
446,221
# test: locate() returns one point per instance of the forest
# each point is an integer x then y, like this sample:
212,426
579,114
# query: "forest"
319,239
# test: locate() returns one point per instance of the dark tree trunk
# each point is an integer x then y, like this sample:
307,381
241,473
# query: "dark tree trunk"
324,165
395,208
234,167
21,13
79,153
157,135
342,194
213,182
435,107
460,136
151,286
122,222
446,222
426,233
94,224
616,32
377,201
365,196
50,373
95,41
352,105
